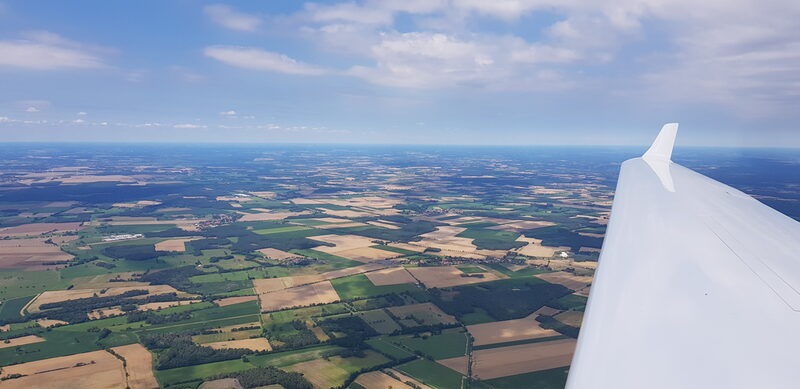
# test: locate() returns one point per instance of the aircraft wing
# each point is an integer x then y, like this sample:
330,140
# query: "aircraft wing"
697,286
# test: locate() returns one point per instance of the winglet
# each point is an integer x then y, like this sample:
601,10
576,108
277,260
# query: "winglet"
661,150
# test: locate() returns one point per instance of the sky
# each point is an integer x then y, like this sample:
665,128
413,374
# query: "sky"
471,72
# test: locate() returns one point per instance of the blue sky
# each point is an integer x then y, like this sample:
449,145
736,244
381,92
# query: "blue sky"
517,72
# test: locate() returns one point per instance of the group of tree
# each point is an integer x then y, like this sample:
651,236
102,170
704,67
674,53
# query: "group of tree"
178,350
264,376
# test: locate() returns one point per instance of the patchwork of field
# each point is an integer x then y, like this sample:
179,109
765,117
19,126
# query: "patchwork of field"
178,245
512,360
508,331
267,285
31,254
319,293
324,374
447,276
266,216
355,247
92,370
534,248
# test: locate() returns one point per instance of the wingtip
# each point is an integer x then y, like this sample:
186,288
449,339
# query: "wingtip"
661,149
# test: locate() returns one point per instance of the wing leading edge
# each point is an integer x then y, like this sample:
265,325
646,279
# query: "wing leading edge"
697,286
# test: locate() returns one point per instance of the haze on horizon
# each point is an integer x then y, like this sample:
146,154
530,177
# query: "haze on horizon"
505,72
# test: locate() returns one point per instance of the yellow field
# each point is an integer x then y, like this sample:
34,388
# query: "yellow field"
255,344
138,365
267,285
265,216
178,244
278,254
92,370
570,318
14,342
319,293
513,360
164,304
534,248
508,331
446,276
391,276
234,300
380,380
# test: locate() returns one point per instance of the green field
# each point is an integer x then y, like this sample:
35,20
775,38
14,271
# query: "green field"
386,347
446,345
432,374
11,308
492,239
358,286
471,269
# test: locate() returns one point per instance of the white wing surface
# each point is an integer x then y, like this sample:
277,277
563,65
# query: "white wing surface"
698,286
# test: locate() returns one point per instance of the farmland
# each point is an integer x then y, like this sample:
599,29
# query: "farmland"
273,267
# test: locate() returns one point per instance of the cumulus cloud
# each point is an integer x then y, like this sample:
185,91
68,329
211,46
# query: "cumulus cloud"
189,125
32,109
258,59
229,113
229,18
82,113
42,50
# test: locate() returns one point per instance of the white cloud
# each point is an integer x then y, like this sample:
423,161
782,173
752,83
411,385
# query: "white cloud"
227,17
32,109
5,119
43,50
230,113
82,113
189,125
79,121
258,59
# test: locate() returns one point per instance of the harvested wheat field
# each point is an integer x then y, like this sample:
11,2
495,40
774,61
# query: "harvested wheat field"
278,254
103,313
138,204
92,370
522,225
319,293
406,378
508,331
391,276
178,245
446,276
445,238
367,254
39,228
47,323
534,248
344,212
166,304
14,342
380,380
31,254
255,344
425,313
545,311
234,300
73,294
138,365
513,360
568,280
342,242
406,246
